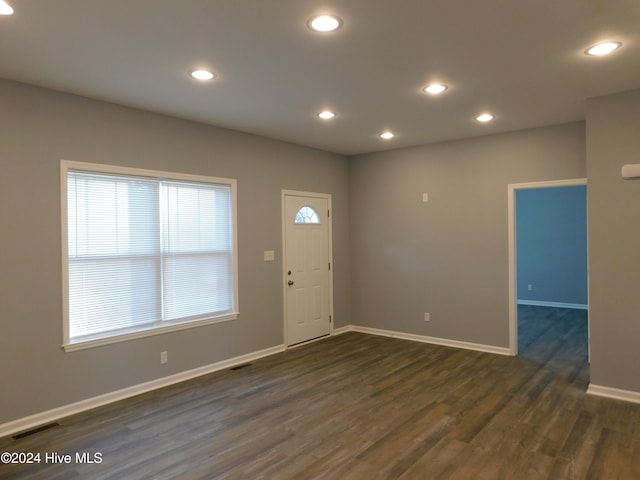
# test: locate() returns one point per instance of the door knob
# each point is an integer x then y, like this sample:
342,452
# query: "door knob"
290,282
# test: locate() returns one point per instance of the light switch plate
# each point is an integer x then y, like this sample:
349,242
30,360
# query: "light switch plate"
269,255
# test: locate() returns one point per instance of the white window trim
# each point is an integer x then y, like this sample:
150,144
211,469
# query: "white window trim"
65,166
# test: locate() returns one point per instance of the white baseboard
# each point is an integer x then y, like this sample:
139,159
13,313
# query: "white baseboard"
52,415
341,330
616,393
433,340
540,303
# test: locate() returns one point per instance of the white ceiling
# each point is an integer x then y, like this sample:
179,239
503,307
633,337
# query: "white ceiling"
522,60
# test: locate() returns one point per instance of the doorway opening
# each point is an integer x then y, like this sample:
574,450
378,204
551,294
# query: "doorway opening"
548,281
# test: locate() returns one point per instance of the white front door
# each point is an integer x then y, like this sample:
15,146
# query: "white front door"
306,267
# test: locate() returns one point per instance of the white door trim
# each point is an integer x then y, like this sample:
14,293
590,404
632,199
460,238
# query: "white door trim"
513,274
327,197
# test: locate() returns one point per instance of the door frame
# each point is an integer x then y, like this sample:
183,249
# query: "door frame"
327,197
512,188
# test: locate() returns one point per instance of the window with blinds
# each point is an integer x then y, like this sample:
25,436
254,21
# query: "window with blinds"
145,252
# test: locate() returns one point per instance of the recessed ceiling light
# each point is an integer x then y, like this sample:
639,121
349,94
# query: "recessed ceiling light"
324,23
435,88
5,8
387,135
484,118
604,48
326,115
201,74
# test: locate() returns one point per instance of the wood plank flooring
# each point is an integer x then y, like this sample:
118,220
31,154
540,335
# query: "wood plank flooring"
364,407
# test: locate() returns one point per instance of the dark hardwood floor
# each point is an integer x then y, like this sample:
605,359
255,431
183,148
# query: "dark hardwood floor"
364,407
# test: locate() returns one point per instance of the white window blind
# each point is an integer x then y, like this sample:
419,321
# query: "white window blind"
146,251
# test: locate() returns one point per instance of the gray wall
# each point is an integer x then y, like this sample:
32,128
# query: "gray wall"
613,128
448,256
39,128
551,239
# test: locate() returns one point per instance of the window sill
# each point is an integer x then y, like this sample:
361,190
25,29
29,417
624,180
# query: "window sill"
125,337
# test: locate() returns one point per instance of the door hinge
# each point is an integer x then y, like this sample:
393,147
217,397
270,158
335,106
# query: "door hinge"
329,265
328,213
329,318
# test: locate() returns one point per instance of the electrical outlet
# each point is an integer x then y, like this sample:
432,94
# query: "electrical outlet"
530,287
164,357
427,317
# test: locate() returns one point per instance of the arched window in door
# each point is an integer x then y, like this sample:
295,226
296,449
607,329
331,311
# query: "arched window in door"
307,214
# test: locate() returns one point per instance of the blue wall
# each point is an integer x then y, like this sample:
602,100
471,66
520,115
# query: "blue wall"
551,243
